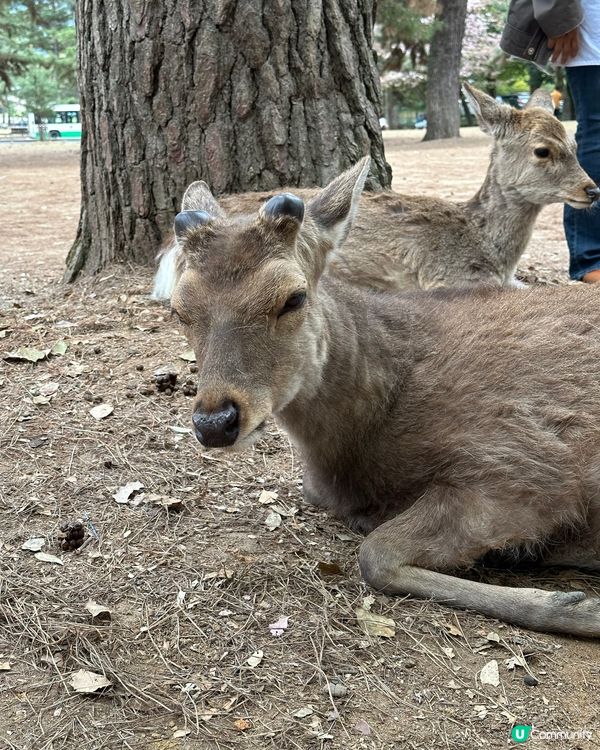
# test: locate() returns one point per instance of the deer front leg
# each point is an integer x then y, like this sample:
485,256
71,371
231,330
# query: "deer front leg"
446,531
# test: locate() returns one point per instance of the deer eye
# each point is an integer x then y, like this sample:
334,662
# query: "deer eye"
542,152
293,302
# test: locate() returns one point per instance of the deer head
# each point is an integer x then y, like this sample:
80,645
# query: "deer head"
534,158
248,302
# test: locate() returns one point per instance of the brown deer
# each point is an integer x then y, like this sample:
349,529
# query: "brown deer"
428,242
445,424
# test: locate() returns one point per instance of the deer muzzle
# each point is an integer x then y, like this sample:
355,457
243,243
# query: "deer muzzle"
593,193
217,428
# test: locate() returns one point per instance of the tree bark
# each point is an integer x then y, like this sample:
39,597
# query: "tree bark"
244,94
443,71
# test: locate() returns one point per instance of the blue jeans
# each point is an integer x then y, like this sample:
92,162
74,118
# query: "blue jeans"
582,227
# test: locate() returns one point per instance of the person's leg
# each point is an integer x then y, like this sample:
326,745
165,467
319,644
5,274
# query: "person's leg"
582,226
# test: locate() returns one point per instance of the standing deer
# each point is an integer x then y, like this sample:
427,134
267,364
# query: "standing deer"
444,424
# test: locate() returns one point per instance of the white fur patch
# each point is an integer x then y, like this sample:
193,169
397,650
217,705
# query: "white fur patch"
166,276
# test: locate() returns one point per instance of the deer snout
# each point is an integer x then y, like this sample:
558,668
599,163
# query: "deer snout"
593,193
217,428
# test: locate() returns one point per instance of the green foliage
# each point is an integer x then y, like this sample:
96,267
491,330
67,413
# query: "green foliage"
38,52
403,31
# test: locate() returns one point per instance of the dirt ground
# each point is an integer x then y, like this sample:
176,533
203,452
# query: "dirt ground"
200,563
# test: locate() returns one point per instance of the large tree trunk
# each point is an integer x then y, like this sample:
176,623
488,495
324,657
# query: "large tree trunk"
247,95
443,71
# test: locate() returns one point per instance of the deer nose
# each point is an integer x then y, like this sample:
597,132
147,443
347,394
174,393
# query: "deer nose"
219,428
593,193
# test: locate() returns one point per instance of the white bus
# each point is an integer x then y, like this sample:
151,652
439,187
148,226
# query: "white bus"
64,122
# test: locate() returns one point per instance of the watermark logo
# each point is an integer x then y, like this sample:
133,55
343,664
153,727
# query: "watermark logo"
521,732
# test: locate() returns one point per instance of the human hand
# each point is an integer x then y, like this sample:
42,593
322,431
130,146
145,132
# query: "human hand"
565,47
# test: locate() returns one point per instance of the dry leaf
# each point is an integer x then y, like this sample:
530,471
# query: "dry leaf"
278,628
368,602
5,666
168,503
329,569
362,727
45,557
242,724
34,543
99,612
491,636
453,630
83,681
481,711
27,354
207,714
179,734
101,411
489,674
40,400
48,389
38,441
448,651
255,659
124,493
303,712
273,520
188,355
59,348
515,661
267,497
376,625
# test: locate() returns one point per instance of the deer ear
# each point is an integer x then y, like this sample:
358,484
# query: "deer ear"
334,208
541,98
493,118
199,198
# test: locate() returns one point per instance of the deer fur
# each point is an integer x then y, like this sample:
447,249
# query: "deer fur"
445,425
426,242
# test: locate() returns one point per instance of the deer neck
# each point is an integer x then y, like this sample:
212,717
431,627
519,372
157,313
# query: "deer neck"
505,217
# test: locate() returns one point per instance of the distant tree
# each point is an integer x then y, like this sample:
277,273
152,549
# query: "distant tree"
443,71
13,59
402,36
37,51
246,96
403,33
482,60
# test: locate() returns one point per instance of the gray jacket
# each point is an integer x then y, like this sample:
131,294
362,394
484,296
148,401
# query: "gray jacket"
531,22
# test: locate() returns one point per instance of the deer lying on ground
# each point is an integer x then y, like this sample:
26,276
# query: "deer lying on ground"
428,242
444,424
